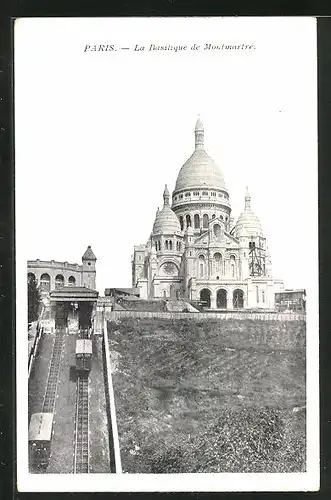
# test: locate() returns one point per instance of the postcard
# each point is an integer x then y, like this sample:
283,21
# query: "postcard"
166,254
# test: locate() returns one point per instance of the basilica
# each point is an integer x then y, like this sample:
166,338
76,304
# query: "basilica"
198,252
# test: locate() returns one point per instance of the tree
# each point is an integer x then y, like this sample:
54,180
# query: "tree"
33,299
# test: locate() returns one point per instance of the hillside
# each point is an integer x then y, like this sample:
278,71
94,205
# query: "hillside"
209,396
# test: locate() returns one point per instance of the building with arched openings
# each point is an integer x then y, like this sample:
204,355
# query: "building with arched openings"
196,250
53,275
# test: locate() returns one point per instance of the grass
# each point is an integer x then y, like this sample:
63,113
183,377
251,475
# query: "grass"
209,396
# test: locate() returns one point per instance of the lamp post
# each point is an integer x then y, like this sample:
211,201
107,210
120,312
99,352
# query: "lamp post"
74,306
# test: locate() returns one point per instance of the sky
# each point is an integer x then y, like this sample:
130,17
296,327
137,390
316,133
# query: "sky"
99,134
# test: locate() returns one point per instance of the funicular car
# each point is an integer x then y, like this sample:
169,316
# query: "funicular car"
40,438
83,355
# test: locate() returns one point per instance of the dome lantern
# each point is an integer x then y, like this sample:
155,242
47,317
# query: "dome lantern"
199,134
247,200
166,196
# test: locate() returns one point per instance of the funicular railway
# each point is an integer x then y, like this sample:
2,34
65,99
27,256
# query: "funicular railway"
72,313
83,367
41,424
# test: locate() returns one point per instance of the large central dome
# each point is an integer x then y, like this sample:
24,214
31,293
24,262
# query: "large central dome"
199,171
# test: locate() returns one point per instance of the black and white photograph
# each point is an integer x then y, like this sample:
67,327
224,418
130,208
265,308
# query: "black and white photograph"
166,254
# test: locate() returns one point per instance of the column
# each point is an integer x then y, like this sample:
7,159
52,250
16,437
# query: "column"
230,300
52,282
213,301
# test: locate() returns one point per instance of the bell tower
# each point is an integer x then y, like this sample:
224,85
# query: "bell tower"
89,270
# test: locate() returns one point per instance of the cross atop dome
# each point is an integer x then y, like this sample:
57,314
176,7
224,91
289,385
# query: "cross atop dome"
199,125
199,132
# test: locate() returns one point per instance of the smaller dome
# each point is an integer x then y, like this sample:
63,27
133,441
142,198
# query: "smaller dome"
248,224
166,221
156,216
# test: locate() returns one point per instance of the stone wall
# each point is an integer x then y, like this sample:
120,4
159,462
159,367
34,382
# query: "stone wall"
198,316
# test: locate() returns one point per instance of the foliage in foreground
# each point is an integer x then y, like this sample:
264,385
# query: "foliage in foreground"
209,398
33,300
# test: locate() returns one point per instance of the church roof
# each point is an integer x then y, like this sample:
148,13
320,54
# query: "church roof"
89,255
166,221
200,170
67,293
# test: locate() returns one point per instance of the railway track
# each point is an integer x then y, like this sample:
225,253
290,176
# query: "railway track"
53,373
81,451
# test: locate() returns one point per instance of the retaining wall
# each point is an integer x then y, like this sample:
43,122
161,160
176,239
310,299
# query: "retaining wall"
198,316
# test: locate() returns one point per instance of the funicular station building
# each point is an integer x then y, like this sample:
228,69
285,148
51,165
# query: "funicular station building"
68,292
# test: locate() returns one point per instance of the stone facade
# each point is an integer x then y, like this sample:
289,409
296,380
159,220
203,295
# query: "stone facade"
197,252
53,275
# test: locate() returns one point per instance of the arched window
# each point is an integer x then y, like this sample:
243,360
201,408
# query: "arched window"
45,282
196,221
165,294
213,216
181,222
233,266
188,220
257,295
217,231
205,220
166,244
155,246
72,281
238,299
159,245
222,218
59,282
179,246
221,299
263,296
170,245
218,262
201,265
